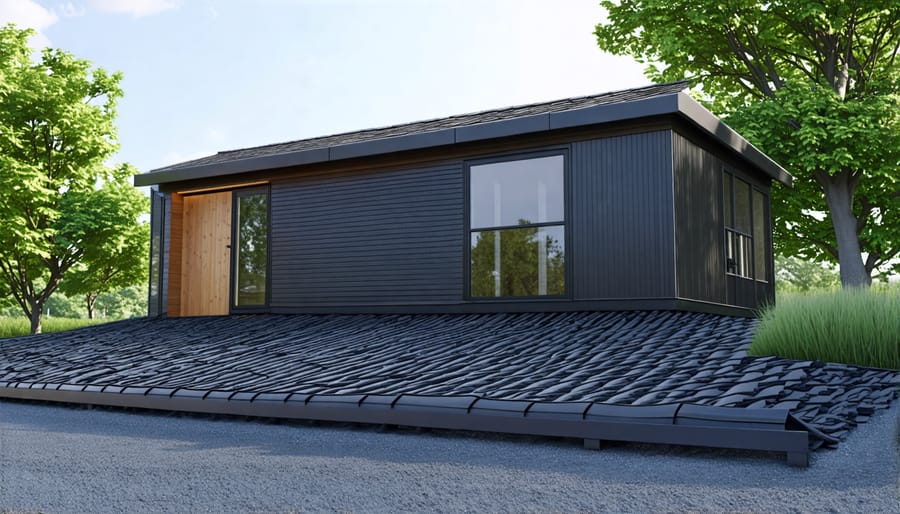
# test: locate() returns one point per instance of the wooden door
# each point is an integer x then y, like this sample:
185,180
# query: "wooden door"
206,254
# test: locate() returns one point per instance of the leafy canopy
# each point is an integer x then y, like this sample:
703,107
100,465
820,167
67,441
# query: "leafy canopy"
119,258
813,83
56,133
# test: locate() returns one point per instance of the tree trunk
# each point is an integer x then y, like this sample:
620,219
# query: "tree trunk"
839,191
37,313
91,298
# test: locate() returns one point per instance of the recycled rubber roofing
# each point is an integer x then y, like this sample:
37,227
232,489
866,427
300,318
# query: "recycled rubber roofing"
625,358
461,120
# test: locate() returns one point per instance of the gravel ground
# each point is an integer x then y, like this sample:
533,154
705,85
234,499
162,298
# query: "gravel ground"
64,459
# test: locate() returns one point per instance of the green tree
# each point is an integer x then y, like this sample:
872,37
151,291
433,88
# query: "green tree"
124,303
250,272
119,259
800,275
61,306
519,267
815,84
56,132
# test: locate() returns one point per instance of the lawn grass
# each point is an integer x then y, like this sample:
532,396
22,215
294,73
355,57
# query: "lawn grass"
854,327
20,326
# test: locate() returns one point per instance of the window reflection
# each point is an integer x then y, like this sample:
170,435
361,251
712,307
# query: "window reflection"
252,249
518,262
516,192
517,216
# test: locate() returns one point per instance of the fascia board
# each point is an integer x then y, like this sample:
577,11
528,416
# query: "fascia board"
705,120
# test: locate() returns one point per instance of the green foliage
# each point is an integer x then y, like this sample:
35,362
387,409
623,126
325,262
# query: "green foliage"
19,326
250,272
119,253
124,303
850,326
815,85
519,267
796,275
61,306
835,136
56,133
130,302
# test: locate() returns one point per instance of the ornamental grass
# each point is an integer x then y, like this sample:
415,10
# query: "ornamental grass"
856,326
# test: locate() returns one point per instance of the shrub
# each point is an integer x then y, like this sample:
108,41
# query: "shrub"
854,327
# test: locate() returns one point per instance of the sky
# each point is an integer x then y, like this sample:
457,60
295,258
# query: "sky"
201,76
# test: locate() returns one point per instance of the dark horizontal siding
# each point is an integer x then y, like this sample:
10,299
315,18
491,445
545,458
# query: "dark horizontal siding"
700,229
621,227
386,237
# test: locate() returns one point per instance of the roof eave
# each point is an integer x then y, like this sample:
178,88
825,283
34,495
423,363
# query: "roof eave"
659,105
709,123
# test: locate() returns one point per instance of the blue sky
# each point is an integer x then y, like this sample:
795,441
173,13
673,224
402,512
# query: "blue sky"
209,75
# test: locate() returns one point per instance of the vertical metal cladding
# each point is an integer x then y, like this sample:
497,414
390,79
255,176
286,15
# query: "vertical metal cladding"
390,237
622,217
699,225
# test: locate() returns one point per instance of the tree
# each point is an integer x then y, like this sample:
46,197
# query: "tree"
796,274
119,259
518,272
61,306
124,303
815,84
56,133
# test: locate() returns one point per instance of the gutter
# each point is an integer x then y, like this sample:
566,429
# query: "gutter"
683,424
678,103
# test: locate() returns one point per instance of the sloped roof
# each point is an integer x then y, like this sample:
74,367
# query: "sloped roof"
637,358
657,99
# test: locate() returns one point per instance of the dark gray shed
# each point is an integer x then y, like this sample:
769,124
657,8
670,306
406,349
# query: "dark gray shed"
637,199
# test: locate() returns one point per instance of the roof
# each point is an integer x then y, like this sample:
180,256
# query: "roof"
653,100
637,358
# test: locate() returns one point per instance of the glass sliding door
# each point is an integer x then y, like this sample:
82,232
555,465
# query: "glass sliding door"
250,248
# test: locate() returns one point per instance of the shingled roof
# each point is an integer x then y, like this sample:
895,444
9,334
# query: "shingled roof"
657,99
634,376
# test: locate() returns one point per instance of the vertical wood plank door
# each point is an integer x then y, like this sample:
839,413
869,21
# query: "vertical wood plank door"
206,257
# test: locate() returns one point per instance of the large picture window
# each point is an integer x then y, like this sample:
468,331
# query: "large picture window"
517,228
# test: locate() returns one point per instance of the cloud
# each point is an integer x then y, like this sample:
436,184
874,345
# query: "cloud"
28,13
136,8
70,10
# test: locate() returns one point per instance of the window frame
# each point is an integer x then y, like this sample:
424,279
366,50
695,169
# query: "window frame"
767,250
236,194
468,230
730,231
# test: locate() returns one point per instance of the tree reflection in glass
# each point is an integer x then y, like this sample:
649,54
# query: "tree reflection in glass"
526,262
252,248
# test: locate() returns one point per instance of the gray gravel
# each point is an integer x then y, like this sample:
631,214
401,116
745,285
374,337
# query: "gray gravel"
62,459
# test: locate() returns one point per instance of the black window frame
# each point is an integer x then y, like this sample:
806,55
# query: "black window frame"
730,230
157,273
766,233
236,194
564,152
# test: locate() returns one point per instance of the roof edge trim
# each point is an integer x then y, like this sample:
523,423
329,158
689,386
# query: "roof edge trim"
670,103
702,118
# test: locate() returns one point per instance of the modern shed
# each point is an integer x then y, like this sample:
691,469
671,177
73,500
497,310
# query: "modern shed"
637,199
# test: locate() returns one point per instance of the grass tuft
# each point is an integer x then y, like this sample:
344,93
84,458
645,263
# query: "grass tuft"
14,327
853,327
